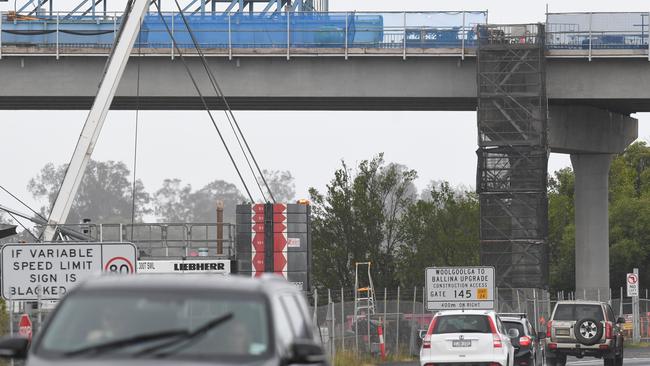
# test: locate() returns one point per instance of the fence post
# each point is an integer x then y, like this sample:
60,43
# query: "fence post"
172,30
519,302
57,36
535,315
229,36
591,15
347,15
397,325
411,339
620,303
342,320
331,333
462,39
385,325
404,40
314,316
288,34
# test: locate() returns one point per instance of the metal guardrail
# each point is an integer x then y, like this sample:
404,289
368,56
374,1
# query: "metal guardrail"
163,239
598,34
291,33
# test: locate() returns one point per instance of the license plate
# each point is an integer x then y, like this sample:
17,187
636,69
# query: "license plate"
462,343
562,332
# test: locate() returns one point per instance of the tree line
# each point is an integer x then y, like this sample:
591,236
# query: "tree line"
373,212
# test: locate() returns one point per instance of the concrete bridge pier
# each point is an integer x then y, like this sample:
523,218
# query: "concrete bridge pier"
592,136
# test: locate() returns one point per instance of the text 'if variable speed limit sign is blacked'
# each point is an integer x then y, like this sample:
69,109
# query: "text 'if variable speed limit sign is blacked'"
48,271
454,288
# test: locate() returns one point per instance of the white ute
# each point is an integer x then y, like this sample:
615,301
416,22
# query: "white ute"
466,337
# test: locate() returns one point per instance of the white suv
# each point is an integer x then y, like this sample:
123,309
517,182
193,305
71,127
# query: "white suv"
469,337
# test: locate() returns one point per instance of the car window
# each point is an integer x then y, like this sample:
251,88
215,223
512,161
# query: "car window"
578,311
282,323
462,324
514,325
610,314
296,316
92,318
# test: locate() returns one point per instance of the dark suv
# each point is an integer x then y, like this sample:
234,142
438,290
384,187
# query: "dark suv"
584,328
529,350
157,320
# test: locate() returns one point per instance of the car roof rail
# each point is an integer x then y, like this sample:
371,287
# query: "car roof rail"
513,315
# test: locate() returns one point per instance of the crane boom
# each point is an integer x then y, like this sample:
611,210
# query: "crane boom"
96,116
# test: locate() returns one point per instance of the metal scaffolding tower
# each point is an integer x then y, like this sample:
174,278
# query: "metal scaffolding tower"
513,154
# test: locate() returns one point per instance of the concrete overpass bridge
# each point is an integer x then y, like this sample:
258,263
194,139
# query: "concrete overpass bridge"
593,78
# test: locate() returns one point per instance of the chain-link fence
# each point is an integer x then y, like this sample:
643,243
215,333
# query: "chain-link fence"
403,317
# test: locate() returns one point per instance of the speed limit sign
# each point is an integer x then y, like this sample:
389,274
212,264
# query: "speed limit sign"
48,271
119,265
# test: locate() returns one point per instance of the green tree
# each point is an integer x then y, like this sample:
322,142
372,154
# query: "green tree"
441,229
629,220
281,183
358,219
104,194
175,202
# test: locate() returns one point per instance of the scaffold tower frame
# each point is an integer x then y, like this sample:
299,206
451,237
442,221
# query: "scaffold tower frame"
513,154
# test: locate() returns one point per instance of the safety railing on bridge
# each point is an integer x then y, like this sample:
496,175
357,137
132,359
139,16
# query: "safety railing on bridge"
162,239
234,34
598,34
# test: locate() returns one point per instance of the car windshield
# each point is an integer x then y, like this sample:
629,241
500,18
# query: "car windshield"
462,324
145,323
578,311
514,325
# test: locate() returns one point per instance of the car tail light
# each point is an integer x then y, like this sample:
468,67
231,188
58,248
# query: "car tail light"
496,339
552,346
548,329
495,364
426,342
525,341
429,364
609,331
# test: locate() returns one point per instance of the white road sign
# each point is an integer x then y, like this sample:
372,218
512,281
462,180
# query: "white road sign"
450,288
47,271
632,284
218,266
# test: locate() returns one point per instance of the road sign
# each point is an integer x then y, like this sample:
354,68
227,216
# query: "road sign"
450,288
25,327
47,271
632,285
217,266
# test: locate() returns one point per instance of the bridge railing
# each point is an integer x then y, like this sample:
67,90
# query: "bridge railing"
293,33
162,239
598,34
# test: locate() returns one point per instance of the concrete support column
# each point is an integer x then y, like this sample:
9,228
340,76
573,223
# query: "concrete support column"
592,225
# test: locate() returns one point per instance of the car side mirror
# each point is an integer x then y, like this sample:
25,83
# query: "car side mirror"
513,333
306,352
541,335
14,347
620,320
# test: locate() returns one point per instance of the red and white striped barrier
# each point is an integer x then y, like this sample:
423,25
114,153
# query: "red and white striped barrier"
382,347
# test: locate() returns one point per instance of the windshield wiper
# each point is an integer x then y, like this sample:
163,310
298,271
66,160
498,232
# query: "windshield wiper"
187,336
126,342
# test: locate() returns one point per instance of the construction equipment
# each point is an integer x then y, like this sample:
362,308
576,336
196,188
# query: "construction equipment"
97,115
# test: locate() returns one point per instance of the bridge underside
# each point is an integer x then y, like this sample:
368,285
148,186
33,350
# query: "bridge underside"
310,83
624,106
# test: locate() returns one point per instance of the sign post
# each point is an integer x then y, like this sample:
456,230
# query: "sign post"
632,281
453,288
34,272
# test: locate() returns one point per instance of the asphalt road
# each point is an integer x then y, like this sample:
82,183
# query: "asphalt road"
633,357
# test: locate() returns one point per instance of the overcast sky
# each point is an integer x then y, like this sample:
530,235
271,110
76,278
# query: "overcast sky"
439,145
